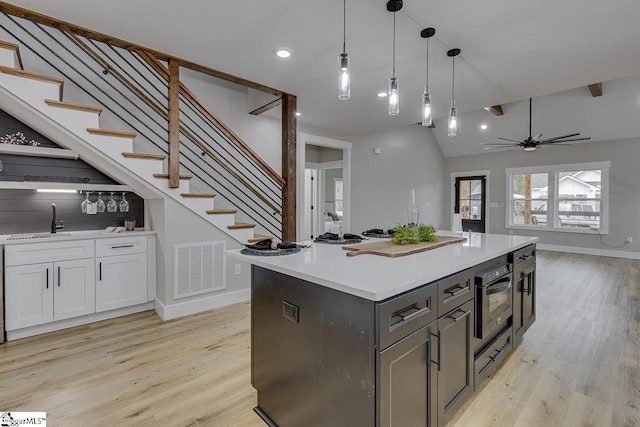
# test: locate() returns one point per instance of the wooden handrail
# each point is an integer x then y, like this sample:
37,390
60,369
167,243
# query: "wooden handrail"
216,121
156,65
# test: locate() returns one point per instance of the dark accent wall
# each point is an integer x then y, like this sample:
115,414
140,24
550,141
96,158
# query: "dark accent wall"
27,211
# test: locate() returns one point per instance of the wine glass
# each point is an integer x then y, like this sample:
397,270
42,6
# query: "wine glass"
112,206
100,203
124,205
85,203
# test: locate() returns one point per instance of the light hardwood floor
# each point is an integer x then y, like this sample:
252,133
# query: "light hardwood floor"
579,364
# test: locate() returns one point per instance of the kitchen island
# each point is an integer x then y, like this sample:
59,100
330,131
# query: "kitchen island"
370,340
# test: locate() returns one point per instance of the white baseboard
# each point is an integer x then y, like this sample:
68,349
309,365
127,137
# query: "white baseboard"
180,309
589,251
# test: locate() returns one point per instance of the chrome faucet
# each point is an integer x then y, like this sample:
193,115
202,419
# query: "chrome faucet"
54,226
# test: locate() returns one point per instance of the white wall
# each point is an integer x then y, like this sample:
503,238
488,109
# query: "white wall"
410,158
624,179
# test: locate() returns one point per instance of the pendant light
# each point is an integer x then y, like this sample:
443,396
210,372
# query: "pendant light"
344,81
453,114
394,101
427,33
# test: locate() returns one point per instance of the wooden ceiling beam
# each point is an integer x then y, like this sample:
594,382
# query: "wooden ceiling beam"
595,89
496,110
266,107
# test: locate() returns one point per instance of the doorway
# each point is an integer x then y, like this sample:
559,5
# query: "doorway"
469,194
331,190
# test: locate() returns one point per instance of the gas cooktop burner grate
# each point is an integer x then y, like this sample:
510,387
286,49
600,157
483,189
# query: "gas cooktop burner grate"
27,236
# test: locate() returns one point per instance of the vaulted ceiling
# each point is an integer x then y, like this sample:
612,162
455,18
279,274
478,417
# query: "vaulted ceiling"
511,50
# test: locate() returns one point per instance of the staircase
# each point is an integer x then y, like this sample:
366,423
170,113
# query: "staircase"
45,94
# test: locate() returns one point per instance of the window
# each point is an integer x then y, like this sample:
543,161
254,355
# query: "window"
571,198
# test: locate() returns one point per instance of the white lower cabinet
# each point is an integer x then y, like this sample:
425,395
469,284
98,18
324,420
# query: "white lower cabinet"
46,292
122,281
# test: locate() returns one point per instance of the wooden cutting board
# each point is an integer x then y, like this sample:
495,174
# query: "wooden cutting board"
389,249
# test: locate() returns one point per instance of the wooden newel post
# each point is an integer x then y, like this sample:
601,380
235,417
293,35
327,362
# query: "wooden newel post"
289,131
174,123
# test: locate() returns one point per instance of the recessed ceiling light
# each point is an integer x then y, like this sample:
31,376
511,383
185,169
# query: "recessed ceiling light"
283,52
298,114
382,94
483,126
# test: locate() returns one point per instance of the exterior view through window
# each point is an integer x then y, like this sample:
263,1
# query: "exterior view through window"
560,198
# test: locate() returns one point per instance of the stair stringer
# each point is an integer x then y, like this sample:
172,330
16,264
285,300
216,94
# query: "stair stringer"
106,162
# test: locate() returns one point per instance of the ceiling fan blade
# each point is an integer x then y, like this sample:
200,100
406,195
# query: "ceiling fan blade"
568,140
536,137
512,140
507,147
561,137
498,144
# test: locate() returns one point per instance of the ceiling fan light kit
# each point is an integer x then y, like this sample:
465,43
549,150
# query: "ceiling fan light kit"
533,142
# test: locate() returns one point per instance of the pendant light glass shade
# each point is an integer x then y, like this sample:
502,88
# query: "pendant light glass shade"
427,33
426,108
452,128
344,82
394,101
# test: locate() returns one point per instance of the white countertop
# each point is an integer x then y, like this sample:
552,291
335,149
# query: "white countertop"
61,236
377,277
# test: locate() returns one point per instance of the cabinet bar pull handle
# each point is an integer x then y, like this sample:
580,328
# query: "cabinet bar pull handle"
458,292
100,271
407,317
47,278
455,319
58,276
121,246
439,351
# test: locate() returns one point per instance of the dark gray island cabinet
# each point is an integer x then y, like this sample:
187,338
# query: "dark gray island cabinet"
326,354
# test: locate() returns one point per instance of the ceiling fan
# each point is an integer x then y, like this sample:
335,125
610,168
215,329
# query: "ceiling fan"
533,142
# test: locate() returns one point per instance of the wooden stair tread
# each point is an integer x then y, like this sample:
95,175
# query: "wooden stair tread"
14,47
166,176
109,132
73,106
144,156
257,238
33,76
239,225
199,195
221,211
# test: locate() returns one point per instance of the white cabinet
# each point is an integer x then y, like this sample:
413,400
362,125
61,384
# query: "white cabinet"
54,285
46,292
122,281
28,295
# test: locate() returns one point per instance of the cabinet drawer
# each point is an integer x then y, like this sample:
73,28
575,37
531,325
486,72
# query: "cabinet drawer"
33,253
488,360
455,290
121,245
402,315
522,258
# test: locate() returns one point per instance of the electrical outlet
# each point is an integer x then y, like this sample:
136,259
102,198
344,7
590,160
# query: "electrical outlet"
237,269
629,239
502,204
427,205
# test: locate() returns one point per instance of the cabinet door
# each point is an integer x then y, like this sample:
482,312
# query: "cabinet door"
455,371
407,379
74,288
518,307
28,295
529,296
121,281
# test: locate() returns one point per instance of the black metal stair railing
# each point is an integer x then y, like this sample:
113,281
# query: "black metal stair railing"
135,97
